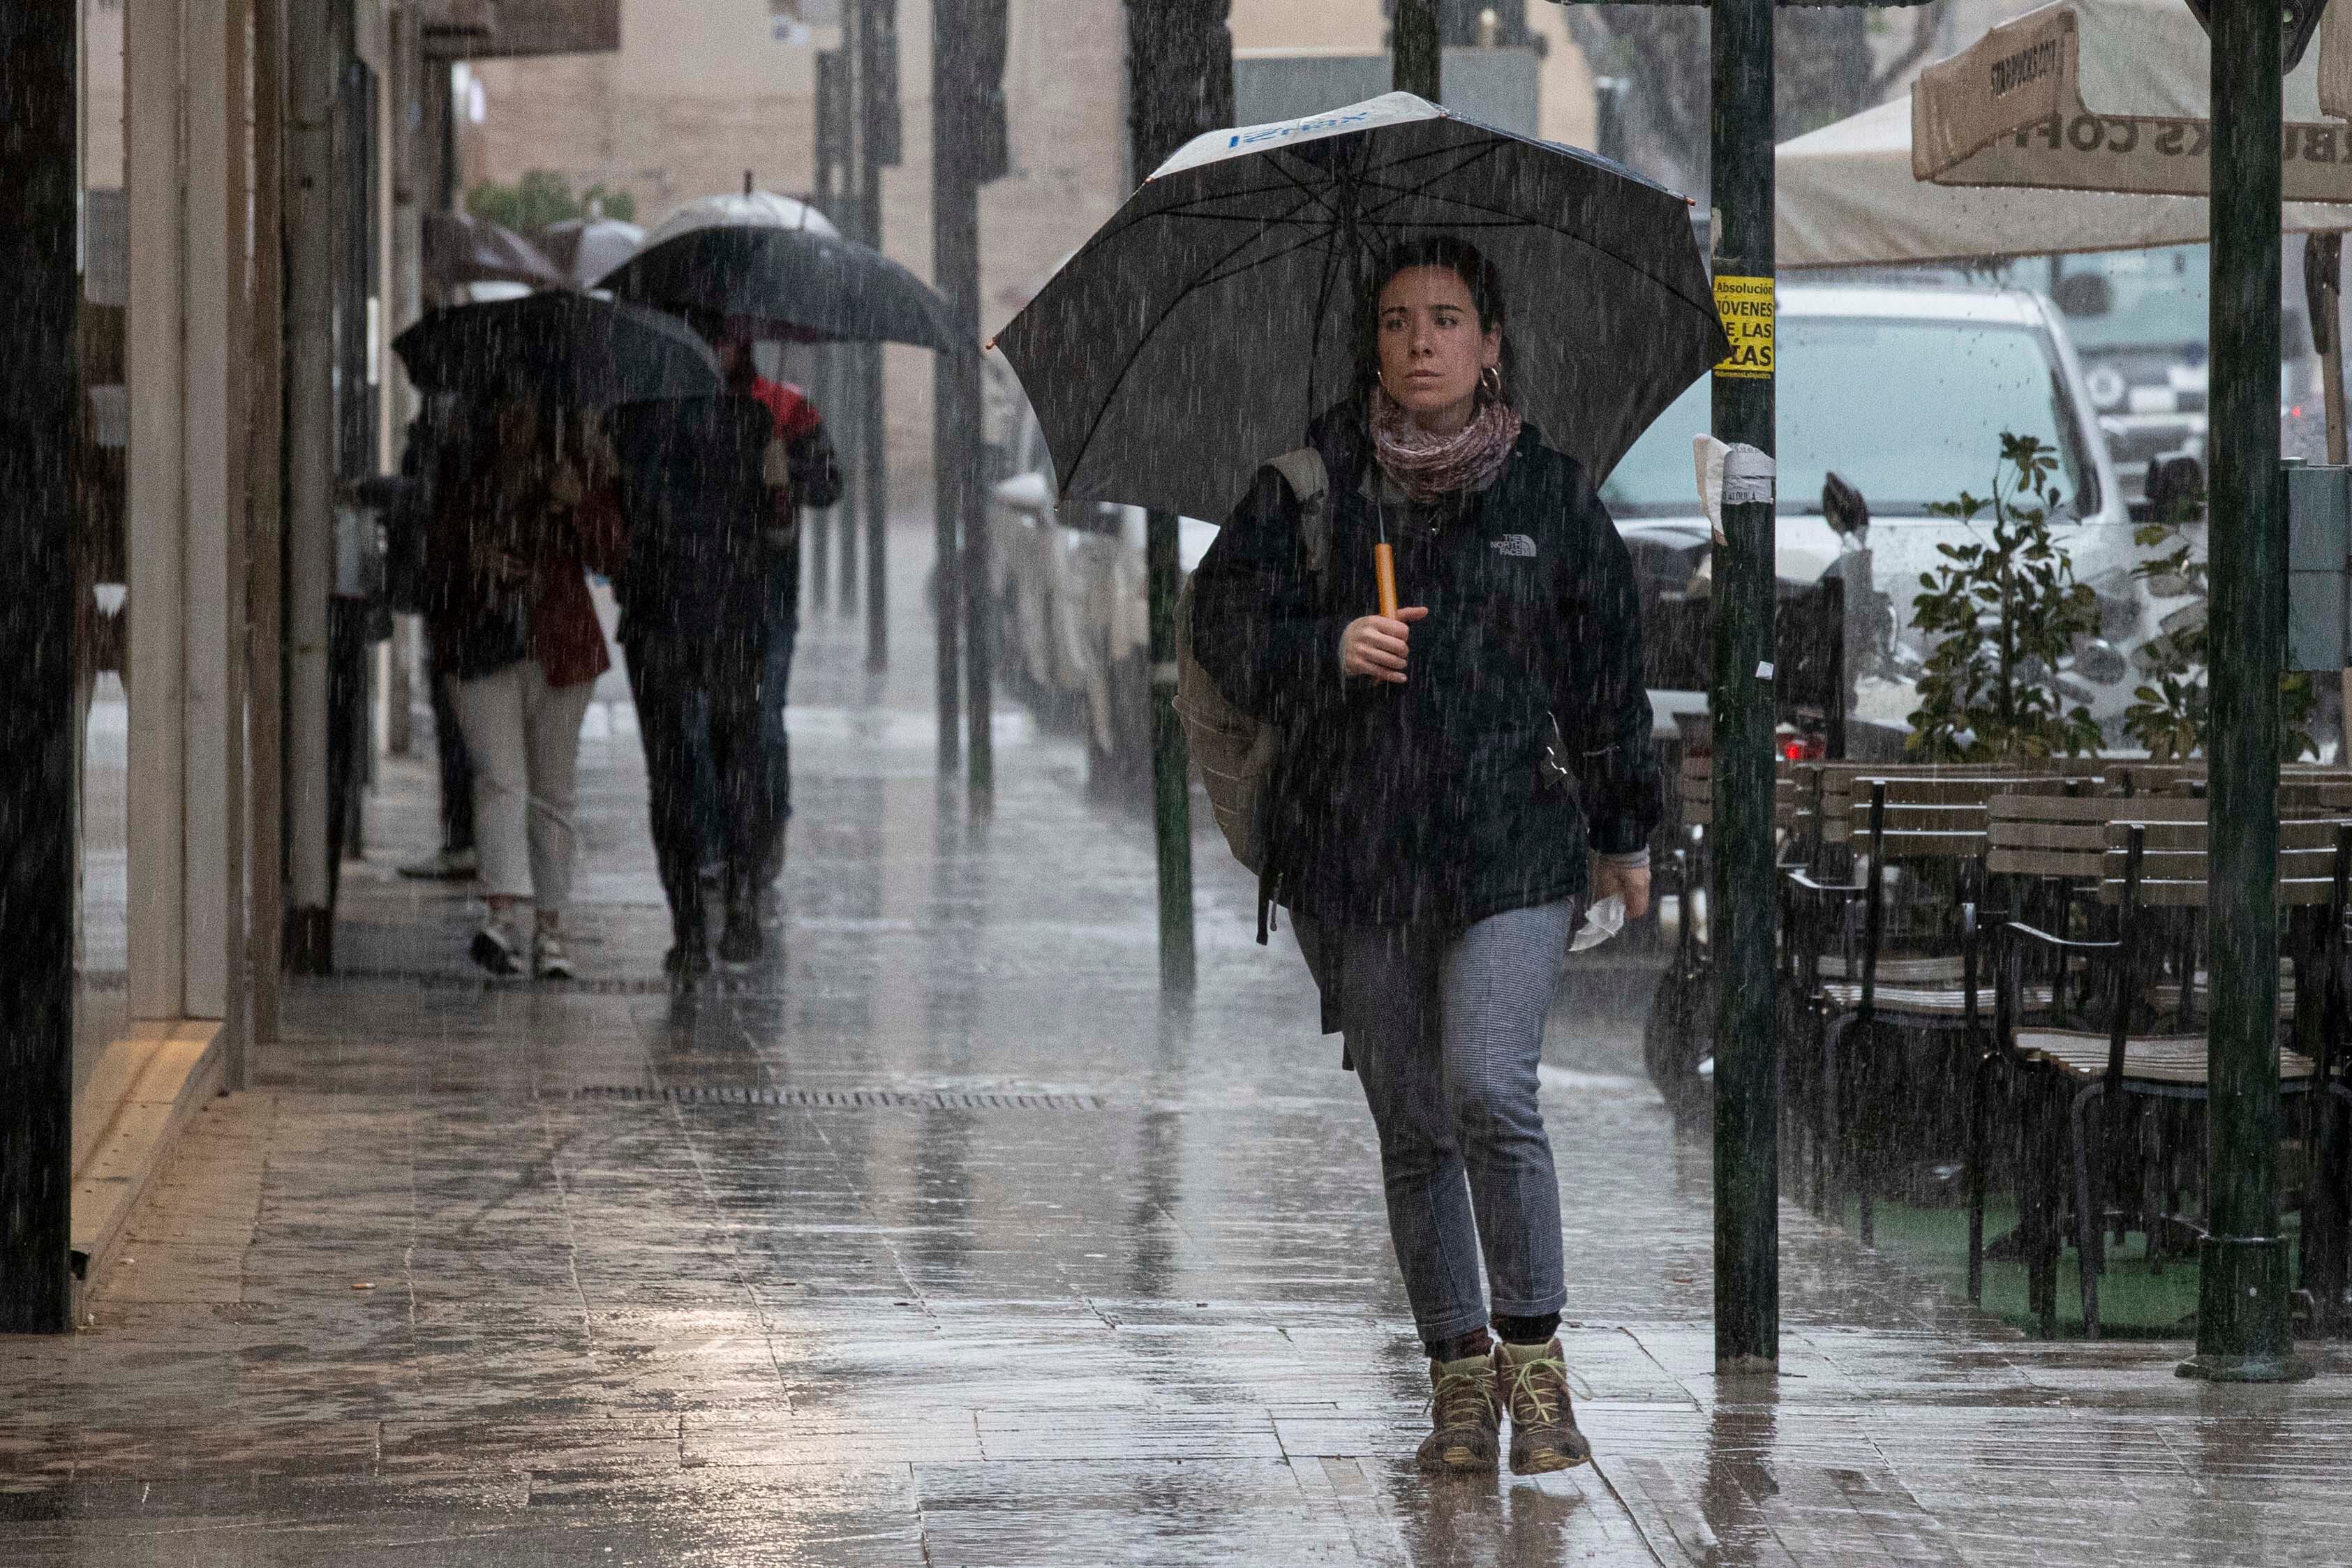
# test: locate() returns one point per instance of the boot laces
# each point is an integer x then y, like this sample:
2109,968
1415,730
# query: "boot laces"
1534,1391
1462,1398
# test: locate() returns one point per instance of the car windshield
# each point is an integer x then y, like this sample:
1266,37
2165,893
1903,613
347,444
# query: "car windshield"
2157,296
1907,411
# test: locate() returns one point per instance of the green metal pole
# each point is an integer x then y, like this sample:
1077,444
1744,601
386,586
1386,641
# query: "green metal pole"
1740,903
955,251
37,181
1416,60
1180,84
1172,795
2241,1320
959,267
877,45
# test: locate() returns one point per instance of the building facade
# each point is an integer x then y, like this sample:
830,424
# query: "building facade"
215,207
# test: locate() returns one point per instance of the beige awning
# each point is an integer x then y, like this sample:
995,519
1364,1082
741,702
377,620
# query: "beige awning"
1847,198
2102,94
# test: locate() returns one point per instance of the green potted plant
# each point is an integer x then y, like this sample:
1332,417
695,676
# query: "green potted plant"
2004,610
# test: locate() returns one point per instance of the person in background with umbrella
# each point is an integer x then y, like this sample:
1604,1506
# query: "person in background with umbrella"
526,501
802,471
1458,777
515,529
706,493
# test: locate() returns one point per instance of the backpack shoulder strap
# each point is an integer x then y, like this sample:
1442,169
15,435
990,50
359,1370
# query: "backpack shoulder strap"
1310,482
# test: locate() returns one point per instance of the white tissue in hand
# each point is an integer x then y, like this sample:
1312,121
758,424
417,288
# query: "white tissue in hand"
1602,921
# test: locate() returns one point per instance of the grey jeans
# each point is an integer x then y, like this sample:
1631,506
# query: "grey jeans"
1446,1030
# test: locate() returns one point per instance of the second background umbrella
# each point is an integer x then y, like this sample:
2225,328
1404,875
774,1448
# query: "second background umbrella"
795,284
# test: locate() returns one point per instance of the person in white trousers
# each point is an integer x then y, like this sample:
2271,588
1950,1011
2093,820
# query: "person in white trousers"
516,528
524,735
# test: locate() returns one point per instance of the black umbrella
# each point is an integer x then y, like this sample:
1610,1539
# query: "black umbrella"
460,248
1201,329
573,349
794,283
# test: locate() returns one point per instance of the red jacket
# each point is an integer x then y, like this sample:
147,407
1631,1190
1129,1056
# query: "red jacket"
795,415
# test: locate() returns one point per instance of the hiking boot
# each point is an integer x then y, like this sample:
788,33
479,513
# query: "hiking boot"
495,947
1531,1381
548,961
1467,1416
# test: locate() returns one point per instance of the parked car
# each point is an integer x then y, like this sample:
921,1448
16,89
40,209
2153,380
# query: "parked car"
2138,320
1073,623
1904,392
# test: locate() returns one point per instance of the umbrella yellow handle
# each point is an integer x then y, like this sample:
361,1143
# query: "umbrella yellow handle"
1384,573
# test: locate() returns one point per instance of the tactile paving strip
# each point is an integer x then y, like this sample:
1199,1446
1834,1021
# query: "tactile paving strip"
845,1099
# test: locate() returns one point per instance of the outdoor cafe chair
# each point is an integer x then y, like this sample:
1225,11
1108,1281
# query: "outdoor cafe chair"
1840,820
1934,825
1677,1038
2075,1082
2045,857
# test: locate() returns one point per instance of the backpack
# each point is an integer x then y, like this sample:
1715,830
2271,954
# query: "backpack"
1237,752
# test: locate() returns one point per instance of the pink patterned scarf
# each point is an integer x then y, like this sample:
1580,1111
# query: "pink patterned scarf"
1427,466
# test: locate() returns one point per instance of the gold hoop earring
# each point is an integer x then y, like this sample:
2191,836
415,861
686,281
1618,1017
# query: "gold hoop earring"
1491,380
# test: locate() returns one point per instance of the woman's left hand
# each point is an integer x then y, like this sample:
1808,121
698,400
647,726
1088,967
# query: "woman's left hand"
1630,882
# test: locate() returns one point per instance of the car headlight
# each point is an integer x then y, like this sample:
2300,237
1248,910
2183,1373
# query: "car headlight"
2106,386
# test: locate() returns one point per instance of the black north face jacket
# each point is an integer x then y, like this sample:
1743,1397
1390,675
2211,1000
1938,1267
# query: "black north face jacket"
1443,800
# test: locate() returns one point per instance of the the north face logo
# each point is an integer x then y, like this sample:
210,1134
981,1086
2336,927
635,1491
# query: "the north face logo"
1515,545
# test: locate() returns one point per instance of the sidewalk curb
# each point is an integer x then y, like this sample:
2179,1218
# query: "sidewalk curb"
128,1119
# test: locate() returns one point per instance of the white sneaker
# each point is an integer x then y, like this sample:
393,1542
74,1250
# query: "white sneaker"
548,961
445,866
495,947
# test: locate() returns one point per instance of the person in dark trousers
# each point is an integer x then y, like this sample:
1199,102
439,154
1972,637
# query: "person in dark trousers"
802,458
1454,784
707,490
809,477
410,530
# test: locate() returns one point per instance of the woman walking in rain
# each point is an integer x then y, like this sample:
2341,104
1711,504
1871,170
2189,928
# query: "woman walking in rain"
1457,777
514,531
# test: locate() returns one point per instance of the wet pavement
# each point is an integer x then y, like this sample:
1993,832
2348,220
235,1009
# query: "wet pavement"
933,1240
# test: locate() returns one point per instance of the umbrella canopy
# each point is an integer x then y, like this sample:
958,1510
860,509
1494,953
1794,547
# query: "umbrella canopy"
1846,198
588,249
573,349
788,283
1199,331
2102,94
460,249
756,209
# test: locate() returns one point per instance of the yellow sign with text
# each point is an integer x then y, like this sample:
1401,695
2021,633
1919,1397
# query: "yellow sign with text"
1746,305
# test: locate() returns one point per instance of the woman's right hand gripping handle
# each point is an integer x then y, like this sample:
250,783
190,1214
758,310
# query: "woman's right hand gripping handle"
1374,645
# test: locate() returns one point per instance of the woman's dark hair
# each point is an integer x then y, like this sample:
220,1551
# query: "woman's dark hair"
1480,276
